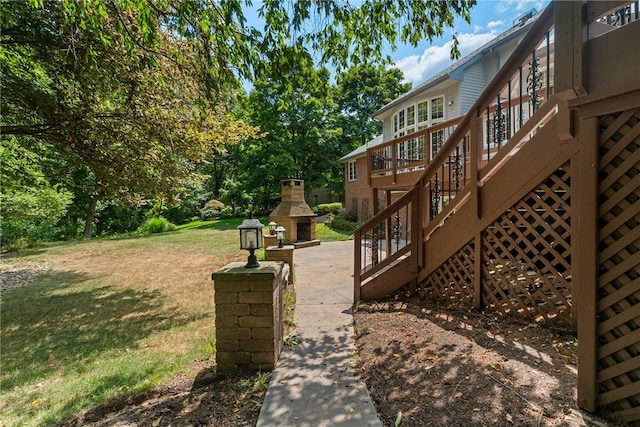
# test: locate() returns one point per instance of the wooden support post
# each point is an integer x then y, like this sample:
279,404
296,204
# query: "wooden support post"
374,201
565,121
357,264
586,214
394,161
570,37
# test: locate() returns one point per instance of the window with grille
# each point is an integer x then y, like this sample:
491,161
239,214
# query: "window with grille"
352,170
437,109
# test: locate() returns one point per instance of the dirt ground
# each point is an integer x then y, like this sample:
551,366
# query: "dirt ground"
427,366
207,400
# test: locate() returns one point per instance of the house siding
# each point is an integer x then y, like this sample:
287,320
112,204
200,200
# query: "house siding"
452,101
472,85
357,194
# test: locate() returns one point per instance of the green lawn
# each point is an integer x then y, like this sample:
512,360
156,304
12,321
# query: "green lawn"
111,317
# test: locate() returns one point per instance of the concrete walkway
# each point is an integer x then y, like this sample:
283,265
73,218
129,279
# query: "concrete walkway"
314,383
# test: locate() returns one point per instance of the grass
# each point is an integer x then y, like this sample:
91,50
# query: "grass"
327,234
112,317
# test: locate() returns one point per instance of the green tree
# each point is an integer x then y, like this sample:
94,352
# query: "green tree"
359,92
301,137
30,204
134,94
135,131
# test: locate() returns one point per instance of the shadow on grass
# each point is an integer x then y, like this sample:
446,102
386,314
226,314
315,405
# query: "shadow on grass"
207,400
63,321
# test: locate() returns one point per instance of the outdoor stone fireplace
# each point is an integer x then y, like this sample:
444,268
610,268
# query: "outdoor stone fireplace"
295,215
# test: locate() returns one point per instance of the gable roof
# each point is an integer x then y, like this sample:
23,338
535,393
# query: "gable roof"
362,150
454,71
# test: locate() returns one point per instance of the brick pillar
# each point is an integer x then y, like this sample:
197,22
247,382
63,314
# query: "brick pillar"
269,240
285,254
249,324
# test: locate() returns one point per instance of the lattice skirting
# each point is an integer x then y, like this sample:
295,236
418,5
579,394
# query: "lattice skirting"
452,283
525,265
526,255
619,266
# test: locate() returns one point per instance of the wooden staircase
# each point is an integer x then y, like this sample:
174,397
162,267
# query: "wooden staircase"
469,176
544,227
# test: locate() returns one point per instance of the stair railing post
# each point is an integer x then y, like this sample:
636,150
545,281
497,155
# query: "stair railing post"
357,267
475,144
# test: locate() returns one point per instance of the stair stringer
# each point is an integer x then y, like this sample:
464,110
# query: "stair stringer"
389,280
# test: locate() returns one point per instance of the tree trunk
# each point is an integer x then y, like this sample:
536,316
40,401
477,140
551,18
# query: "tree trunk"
91,213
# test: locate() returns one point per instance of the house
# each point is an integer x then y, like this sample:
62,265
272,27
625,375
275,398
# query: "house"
356,177
436,103
527,207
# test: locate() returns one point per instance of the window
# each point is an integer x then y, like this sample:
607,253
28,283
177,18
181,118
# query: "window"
423,111
352,170
411,115
417,117
437,109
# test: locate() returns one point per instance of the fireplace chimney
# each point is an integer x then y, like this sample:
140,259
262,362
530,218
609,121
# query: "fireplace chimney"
294,214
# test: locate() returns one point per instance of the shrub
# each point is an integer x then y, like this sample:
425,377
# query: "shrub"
179,214
226,212
211,210
214,204
117,219
342,222
325,208
157,224
209,214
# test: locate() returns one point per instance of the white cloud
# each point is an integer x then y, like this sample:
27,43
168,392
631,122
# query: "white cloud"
418,68
495,24
519,5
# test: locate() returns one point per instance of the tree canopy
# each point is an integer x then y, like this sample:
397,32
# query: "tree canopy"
133,99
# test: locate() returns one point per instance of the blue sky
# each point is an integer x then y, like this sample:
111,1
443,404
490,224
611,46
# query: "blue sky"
489,18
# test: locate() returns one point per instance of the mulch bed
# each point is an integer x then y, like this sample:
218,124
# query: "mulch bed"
429,366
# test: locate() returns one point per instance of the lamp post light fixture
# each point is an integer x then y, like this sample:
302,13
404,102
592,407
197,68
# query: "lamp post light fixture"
272,228
251,239
280,235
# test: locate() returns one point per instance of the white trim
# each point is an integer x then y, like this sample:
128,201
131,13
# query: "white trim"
351,171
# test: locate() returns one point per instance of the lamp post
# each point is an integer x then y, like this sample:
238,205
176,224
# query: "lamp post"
272,228
251,239
280,235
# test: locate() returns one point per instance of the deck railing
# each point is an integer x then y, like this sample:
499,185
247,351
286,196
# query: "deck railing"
390,237
514,106
409,153
616,17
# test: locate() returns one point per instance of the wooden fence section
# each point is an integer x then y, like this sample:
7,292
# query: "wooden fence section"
618,283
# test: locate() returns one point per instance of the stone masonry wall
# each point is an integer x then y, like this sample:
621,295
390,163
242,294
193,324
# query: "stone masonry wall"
249,324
